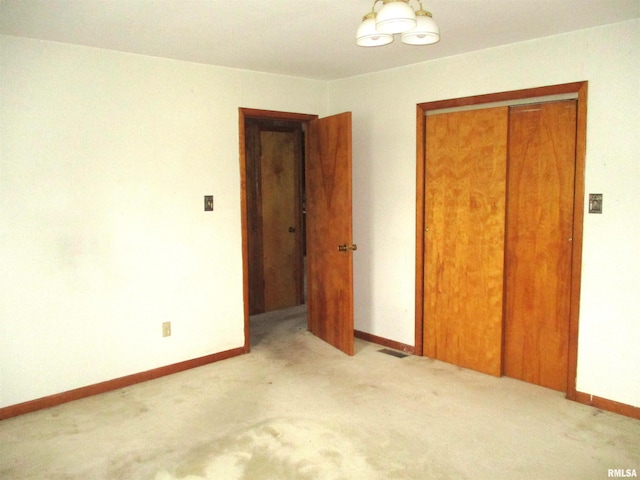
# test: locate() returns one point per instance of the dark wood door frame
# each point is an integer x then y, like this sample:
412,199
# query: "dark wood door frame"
243,114
579,88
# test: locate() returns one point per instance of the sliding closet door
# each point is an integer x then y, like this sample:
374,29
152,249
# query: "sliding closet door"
464,239
539,245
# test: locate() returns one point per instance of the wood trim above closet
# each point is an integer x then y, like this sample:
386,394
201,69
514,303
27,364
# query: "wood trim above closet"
565,88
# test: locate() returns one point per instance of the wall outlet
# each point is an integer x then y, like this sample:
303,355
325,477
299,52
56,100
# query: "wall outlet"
166,329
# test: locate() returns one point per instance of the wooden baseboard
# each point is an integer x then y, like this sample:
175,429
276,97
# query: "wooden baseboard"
580,397
385,342
605,404
116,383
109,385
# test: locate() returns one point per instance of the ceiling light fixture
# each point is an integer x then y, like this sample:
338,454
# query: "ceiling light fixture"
397,16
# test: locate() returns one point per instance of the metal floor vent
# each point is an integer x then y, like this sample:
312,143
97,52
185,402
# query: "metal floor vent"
394,353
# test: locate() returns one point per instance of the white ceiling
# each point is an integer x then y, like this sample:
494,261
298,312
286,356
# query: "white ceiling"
305,38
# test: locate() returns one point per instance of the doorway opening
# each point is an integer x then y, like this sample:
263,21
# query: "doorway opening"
275,214
326,235
272,150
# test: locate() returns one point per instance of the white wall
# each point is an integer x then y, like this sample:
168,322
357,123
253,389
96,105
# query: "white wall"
104,161
105,158
384,106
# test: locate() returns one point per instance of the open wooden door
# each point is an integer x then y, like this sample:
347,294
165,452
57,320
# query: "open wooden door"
329,230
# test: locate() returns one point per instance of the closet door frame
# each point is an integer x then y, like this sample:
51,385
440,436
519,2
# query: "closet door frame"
578,88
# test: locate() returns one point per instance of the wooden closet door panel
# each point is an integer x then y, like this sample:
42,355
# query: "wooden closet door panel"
540,218
464,239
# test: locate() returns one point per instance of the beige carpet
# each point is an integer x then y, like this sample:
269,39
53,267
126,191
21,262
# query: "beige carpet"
297,409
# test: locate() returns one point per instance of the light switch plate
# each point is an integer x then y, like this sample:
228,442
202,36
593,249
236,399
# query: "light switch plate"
595,203
208,203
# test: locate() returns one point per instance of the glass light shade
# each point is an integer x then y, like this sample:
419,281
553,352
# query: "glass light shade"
425,33
395,16
368,36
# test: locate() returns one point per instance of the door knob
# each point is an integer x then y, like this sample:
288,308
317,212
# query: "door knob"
345,247
292,229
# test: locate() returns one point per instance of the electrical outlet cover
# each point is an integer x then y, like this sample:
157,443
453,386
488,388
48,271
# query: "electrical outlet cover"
166,329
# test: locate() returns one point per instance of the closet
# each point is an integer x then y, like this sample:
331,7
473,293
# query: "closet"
498,219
